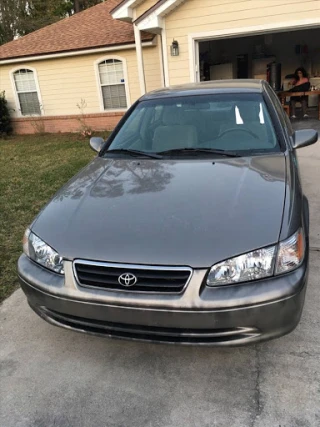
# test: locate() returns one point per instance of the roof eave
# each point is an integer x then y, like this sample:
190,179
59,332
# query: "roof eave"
124,11
152,20
79,52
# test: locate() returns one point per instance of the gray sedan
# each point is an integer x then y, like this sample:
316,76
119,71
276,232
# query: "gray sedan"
190,226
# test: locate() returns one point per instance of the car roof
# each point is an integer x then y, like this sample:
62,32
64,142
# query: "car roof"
206,88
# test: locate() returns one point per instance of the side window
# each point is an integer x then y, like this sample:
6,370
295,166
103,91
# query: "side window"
27,93
112,84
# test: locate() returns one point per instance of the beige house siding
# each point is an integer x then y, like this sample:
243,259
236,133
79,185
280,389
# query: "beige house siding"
194,17
144,6
152,66
63,82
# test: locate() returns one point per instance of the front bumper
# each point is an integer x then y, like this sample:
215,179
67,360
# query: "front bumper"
231,315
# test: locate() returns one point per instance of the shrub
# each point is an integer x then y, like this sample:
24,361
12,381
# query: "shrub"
5,120
85,130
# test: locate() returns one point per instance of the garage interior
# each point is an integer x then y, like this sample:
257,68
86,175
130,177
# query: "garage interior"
273,57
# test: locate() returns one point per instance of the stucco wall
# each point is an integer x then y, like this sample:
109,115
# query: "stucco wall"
194,16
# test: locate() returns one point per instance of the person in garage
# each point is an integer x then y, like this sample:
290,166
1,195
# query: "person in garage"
300,83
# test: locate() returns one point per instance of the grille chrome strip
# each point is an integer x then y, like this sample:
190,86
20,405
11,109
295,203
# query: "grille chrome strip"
151,278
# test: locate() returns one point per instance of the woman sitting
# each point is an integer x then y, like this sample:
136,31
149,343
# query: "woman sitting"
300,84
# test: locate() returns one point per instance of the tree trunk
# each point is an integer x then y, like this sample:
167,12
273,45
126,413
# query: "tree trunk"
76,5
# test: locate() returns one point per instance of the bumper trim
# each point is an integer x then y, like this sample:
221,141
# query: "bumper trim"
228,336
229,327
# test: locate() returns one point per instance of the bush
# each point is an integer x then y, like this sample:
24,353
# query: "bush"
5,121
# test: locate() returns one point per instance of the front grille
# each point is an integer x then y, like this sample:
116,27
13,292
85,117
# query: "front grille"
148,279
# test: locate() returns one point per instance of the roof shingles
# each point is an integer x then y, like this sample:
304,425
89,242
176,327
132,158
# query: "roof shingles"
92,28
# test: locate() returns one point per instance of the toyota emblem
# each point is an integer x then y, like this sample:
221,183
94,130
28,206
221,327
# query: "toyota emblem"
127,279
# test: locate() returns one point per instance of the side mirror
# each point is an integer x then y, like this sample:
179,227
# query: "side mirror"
305,137
96,143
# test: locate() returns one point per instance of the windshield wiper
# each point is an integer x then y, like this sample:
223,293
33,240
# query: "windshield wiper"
201,150
134,153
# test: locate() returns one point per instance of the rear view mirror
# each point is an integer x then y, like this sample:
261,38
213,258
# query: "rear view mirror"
96,143
305,137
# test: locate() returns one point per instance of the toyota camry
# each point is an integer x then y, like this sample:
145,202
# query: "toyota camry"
190,226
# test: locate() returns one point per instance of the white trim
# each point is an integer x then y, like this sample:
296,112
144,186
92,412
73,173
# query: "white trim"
256,29
139,55
194,38
141,73
126,11
126,83
75,53
165,54
18,113
161,62
151,22
197,62
193,59
154,21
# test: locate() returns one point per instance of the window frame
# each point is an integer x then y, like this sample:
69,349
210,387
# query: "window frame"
99,86
18,111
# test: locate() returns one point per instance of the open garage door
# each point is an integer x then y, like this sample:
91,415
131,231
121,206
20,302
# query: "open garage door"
272,56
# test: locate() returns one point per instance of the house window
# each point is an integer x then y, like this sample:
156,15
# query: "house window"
112,84
26,88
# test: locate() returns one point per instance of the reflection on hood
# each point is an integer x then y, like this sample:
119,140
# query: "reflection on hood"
114,178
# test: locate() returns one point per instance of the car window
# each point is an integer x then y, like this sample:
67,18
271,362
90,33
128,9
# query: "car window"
237,122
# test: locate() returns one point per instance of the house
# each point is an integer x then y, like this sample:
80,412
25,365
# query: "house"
95,64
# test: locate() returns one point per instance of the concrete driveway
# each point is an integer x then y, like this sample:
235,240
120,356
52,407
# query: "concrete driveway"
52,377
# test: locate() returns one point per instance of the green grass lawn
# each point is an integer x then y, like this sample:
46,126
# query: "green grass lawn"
32,169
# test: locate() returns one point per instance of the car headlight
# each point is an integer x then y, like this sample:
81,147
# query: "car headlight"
261,263
40,252
251,266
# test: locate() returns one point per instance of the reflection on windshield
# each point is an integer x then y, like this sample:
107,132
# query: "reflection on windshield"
236,122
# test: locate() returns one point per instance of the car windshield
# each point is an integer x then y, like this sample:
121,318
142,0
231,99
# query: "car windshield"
196,125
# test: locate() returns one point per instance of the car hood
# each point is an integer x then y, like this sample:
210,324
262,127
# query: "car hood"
192,212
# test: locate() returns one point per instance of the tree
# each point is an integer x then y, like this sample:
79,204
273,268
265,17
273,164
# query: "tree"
10,14
79,5
20,17
39,14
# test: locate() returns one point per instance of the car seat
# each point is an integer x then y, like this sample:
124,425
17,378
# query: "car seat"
174,134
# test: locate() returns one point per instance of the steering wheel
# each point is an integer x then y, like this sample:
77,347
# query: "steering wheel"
237,130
